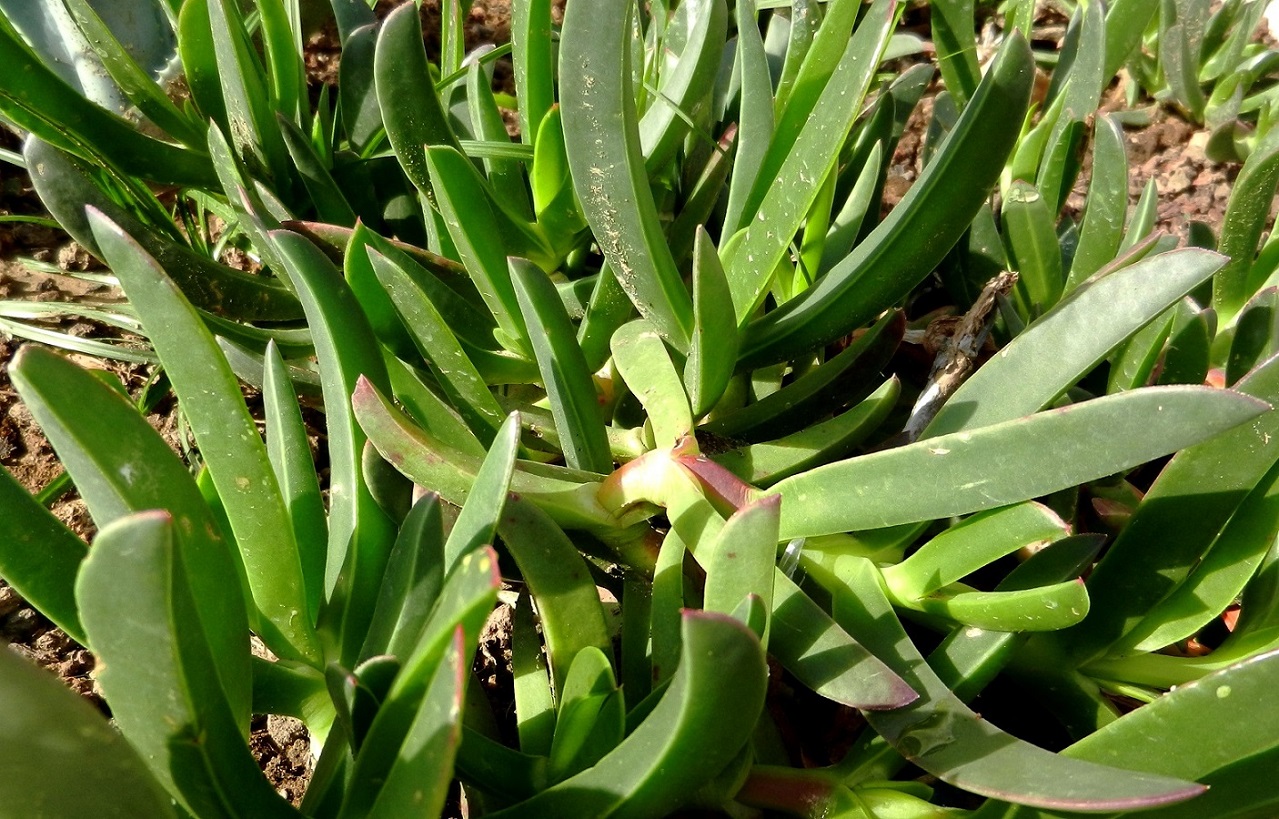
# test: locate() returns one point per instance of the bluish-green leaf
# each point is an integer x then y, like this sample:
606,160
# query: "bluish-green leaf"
1007,462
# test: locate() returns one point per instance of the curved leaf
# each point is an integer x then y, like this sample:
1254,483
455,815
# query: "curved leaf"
941,204
1057,350
702,720
570,390
136,604
1007,462
941,735
39,556
45,727
601,133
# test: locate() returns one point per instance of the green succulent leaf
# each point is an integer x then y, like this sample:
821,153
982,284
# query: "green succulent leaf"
534,701
289,452
411,585
569,605
122,466
459,379
43,727
1007,462
1029,226
810,132
36,99
252,127
953,34
808,397
967,546
1182,512
814,648
592,716
566,377
1219,577
941,735
941,204
1054,352
411,110
1166,738
644,362
66,187
767,463
698,30
686,739
1107,204
740,561
712,355
420,778
135,602
39,557
465,601
601,132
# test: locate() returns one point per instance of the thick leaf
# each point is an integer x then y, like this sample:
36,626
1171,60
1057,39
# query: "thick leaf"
809,136
477,523
411,110
755,116
1256,334
330,203
411,585
953,34
712,355
1050,355
360,535
39,556
252,128
136,82
795,406
592,717
427,461
702,720
1167,736
531,55
643,361
601,132
1107,205
568,603
464,603
289,452
122,466
419,780
36,99
1217,580
940,205
1007,462
740,561
1047,608
1181,514
566,377
824,657
941,735
534,702
698,30
967,546
1032,235
475,224
154,671
769,462
459,379
45,727
66,186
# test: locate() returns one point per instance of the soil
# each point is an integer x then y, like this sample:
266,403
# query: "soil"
1169,150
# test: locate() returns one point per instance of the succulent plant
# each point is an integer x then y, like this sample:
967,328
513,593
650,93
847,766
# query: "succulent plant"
663,350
